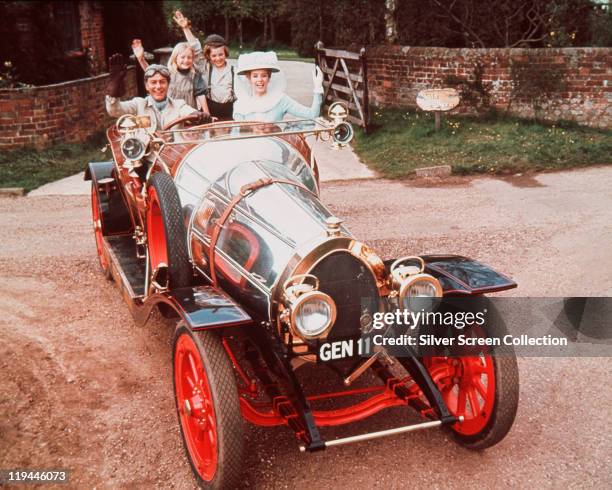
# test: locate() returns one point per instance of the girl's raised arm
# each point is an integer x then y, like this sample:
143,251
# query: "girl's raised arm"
199,61
183,23
138,51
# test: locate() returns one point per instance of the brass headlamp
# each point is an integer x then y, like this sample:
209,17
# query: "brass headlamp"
417,291
134,136
343,131
310,313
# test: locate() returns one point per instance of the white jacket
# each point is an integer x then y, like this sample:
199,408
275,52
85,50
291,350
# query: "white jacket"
144,107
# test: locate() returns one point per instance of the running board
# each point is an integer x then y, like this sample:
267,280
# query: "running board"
388,432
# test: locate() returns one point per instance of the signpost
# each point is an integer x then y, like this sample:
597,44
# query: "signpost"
438,100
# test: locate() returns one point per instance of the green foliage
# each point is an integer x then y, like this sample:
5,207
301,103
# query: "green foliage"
30,168
355,23
283,52
570,23
350,23
198,12
496,23
255,17
407,141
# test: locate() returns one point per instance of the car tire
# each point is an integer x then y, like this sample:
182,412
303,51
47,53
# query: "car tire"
96,216
208,408
489,381
166,235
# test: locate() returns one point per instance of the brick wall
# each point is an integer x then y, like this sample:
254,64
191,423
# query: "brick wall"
92,34
583,94
64,112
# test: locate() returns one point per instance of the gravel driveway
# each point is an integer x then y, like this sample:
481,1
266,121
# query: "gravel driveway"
82,388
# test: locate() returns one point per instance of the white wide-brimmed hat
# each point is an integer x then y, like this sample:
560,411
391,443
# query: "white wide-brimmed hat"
257,60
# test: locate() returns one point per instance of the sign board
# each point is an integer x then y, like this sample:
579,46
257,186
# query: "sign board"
438,99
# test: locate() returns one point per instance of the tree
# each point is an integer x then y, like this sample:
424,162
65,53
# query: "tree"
390,21
241,9
601,25
513,23
199,13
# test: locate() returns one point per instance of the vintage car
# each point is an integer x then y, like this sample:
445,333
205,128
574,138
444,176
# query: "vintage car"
221,227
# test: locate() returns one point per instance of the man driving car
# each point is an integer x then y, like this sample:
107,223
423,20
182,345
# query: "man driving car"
157,105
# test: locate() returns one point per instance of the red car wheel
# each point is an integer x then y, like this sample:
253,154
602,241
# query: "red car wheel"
208,408
467,385
96,216
483,389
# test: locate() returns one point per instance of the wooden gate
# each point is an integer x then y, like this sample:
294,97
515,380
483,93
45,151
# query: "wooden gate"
345,80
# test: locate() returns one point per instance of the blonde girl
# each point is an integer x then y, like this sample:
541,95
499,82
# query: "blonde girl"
186,65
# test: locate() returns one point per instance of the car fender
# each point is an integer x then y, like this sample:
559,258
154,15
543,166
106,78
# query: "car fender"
114,213
201,307
460,275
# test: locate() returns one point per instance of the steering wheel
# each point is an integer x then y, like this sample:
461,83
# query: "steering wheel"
193,118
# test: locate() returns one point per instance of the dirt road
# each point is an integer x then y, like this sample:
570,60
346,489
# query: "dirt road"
82,388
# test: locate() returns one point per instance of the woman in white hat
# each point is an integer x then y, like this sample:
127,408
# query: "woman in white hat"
261,90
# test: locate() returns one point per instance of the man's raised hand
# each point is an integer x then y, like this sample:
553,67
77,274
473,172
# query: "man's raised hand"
118,70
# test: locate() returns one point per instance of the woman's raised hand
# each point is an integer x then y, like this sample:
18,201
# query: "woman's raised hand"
181,20
137,49
317,80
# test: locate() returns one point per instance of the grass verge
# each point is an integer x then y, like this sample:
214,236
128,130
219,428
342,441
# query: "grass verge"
30,168
406,140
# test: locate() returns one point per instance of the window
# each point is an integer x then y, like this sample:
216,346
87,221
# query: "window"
66,15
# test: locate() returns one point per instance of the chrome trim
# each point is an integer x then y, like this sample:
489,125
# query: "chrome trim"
294,308
307,256
381,433
410,281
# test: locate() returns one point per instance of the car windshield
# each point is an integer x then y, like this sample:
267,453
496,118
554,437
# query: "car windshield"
244,130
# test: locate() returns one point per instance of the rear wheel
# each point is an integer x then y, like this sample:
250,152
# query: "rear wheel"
208,408
166,236
482,388
96,215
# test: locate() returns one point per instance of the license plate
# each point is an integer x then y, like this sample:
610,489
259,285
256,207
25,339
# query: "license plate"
344,349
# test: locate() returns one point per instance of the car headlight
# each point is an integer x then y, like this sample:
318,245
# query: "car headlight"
313,314
343,133
309,313
420,292
133,148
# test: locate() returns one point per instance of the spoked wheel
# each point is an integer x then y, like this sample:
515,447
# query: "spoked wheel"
483,388
208,408
166,235
96,215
